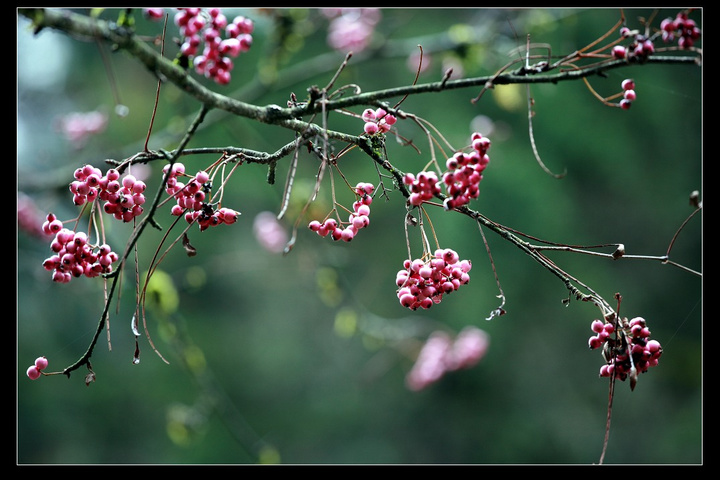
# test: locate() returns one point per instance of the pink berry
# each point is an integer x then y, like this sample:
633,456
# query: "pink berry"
139,186
128,181
628,84
597,326
425,271
33,373
55,226
653,346
368,115
202,177
371,128
41,363
230,46
361,221
331,224
337,234
222,77
619,52
229,216
348,234
363,209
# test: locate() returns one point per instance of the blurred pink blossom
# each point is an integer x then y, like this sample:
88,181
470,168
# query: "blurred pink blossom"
351,29
442,354
29,217
269,232
78,126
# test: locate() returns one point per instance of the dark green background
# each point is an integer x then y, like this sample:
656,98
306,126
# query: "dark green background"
257,366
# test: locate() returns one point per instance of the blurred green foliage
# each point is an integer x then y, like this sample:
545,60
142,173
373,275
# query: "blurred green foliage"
301,358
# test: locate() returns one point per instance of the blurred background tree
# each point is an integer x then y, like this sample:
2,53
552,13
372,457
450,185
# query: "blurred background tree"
302,358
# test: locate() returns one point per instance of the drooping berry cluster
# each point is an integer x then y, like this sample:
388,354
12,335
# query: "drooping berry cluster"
423,283
377,121
637,350
461,179
35,370
191,198
211,42
629,95
423,187
464,172
682,28
123,197
73,255
358,219
442,354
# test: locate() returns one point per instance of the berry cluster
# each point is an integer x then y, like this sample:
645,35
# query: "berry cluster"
464,172
629,95
123,197
203,42
637,351
461,179
423,187
377,121
442,354
681,27
359,218
35,370
639,48
191,198
423,283
73,255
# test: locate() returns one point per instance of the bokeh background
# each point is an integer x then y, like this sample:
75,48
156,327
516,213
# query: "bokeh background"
301,359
